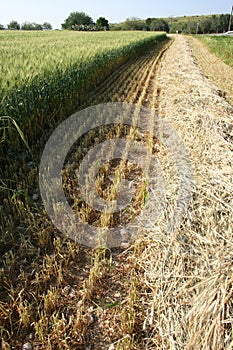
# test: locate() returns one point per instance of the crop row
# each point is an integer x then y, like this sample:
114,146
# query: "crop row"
38,101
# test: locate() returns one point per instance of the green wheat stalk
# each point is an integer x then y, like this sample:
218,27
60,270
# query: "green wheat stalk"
21,134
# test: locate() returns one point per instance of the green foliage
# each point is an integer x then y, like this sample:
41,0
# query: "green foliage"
31,26
2,27
221,46
201,24
102,23
77,20
28,26
47,26
150,24
157,24
133,23
6,121
45,76
13,25
215,24
224,22
36,26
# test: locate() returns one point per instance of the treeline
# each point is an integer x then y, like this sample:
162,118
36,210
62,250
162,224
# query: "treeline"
82,21
201,24
187,25
14,25
75,21
150,24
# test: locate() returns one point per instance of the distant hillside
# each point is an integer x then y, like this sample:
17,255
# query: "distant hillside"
187,24
202,24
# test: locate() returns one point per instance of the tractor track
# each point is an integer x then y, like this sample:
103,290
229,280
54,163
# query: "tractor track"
133,301
135,82
127,83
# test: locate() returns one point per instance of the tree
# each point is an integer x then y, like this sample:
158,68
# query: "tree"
192,27
207,26
2,27
157,24
31,26
47,26
37,26
13,25
215,23
28,26
77,19
133,23
102,23
224,22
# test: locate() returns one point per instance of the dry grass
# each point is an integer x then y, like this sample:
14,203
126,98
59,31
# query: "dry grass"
214,68
190,273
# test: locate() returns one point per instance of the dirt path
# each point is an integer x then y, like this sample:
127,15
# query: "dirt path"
177,290
190,274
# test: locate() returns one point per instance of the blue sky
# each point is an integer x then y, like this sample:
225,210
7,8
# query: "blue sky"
55,11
